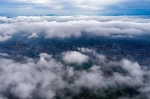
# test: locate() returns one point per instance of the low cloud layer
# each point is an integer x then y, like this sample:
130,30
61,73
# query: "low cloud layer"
69,26
48,77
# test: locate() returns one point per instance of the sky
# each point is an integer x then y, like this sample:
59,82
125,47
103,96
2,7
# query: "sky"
74,7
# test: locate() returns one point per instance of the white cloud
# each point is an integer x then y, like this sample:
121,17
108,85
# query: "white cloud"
4,38
34,35
45,76
133,68
54,27
80,4
75,57
85,50
74,26
22,78
35,1
99,57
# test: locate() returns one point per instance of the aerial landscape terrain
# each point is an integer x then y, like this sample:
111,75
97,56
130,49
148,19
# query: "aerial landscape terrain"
83,50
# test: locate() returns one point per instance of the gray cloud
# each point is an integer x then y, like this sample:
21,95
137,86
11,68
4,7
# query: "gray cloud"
47,76
23,79
68,26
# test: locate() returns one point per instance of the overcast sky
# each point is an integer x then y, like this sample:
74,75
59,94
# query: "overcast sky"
74,7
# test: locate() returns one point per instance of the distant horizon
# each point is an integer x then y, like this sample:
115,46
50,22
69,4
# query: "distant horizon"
74,7
74,15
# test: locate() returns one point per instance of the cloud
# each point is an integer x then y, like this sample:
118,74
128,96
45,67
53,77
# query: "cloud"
85,50
99,57
47,77
4,54
71,26
34,35
35,1
123,36
24,79
4,38
75,57
133,68
81,4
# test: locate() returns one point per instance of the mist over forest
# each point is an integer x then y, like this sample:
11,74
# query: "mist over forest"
75,57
